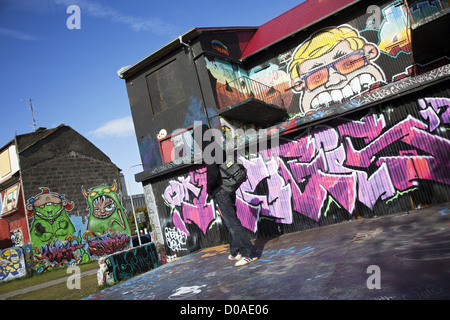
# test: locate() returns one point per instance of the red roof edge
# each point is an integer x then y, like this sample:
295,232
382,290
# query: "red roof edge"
292,21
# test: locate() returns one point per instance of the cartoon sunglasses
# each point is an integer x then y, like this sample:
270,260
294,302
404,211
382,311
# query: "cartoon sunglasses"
345,65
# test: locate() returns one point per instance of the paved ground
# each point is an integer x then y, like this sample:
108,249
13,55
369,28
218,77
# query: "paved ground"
400,256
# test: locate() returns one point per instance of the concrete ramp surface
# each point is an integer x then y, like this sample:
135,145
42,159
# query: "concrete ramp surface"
404,256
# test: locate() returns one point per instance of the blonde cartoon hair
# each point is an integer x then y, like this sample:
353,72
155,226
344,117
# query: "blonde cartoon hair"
323,42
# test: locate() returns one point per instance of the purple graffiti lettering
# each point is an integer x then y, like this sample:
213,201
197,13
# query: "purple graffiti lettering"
179,223
249,204
408,168
368,127
364,157
325,164
279,195
58,251
431,109
198,211
178,191
276,204
108,243
379,184
187,194
248,214
340,187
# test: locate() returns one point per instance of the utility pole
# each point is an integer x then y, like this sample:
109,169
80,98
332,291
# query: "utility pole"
32,112
132,205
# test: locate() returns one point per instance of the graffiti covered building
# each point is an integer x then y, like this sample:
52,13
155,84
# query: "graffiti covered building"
69,199
355,89
15,253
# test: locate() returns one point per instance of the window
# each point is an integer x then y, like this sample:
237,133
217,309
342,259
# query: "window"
165,86
178,145
5,165
9,198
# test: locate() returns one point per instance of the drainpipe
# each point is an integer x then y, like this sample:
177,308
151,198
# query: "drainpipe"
180,38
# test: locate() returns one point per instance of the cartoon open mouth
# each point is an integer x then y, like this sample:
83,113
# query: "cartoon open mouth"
357,85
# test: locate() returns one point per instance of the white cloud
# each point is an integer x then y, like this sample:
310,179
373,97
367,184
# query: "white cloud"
95,9
16,34
119,128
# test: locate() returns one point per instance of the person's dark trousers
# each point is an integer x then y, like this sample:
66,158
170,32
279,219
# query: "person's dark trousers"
238,237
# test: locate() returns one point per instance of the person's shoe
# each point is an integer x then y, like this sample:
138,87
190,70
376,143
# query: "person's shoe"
236,257
244,261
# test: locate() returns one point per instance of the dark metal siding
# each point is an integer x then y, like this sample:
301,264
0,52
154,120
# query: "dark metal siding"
165,95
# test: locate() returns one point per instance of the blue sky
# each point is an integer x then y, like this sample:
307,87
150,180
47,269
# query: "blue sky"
71,74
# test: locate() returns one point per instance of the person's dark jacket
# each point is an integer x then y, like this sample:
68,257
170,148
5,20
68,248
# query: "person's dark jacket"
212,170
212,179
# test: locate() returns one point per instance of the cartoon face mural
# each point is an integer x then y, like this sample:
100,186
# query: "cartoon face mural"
106,211
60,241
51,221
337,63
333,65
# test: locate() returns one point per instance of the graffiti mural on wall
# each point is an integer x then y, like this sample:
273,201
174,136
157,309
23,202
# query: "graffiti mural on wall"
332,65
394,34
187,199
105,210
355,163
12,263
225,73
51,221
421,9
124,265
57,242
16,237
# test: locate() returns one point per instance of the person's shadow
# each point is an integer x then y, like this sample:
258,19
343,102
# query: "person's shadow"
267,230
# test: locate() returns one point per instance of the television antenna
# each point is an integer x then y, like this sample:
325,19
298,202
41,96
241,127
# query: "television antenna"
30,101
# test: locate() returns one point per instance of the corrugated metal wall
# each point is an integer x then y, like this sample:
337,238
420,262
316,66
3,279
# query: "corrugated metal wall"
386,159
187,222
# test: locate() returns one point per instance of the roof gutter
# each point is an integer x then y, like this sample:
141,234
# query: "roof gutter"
127,71
182,40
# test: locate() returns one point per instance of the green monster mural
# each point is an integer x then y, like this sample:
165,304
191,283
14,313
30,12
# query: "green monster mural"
106,211
51,221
